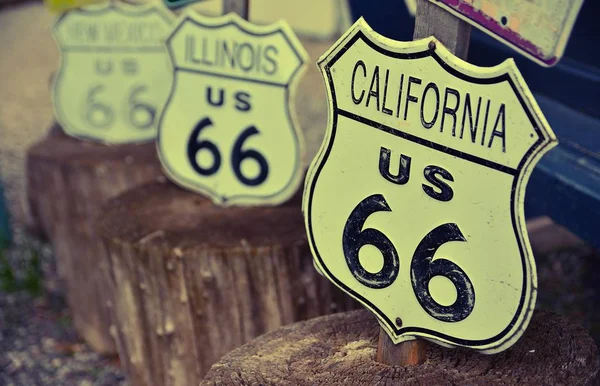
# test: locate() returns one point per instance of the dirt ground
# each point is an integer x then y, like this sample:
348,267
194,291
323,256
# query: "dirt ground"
28,57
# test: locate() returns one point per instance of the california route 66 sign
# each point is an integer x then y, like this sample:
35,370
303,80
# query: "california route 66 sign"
228,130
414,205
114,71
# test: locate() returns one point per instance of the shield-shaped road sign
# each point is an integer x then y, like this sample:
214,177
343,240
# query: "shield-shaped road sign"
228,129
414,205
114,71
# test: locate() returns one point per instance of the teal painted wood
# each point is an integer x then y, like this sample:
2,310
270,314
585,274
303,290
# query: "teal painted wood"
5,231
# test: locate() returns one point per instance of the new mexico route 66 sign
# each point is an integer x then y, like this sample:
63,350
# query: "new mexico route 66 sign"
414,205
228,130
114,72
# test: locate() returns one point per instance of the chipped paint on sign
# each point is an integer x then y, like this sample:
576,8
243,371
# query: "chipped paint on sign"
539,29
414,204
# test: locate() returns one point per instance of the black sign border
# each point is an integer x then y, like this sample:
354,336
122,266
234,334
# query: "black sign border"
297,131
127,10
537,147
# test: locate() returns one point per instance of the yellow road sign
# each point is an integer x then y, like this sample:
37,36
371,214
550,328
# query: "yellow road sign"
228,129
64,5
414,205
539,29
114,71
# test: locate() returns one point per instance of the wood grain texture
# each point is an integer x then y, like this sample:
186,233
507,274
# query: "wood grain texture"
451,31
409,353
68,181
340,350
191,281
38,220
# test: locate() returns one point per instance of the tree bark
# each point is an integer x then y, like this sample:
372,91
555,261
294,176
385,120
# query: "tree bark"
68,181
340,350
192,281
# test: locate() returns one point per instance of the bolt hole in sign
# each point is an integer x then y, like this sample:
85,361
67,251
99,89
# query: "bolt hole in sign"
414,204
228,129
114,71
539,29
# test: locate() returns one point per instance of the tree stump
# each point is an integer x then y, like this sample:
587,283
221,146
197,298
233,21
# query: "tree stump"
192,281
68,181
340,350
36,224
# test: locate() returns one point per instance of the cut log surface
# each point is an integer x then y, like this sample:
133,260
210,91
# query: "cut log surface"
340,350
68,181
192,281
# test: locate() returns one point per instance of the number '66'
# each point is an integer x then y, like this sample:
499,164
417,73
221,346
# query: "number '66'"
238,155
423,267
100,114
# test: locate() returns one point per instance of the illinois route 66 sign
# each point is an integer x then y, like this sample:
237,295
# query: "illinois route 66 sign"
114,73
414,205
228,130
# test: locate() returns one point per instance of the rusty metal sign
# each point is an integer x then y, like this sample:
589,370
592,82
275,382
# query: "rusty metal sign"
539,29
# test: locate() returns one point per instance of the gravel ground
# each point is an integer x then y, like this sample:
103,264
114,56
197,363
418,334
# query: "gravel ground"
38,345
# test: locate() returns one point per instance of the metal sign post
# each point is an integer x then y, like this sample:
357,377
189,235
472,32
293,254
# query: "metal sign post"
455,34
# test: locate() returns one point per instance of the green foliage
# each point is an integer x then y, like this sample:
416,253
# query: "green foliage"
32,280
95,373
5,231
8,282
64,322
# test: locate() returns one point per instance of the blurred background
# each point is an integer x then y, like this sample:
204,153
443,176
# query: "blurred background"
37,342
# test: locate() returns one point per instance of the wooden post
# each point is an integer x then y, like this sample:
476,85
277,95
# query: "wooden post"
450,30
409,353
455,34
191,281
241,7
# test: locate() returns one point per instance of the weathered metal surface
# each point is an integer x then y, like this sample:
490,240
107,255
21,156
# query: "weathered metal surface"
414,205
115,73
538,29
